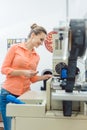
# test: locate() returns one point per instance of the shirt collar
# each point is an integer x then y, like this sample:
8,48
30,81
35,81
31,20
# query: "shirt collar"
22,45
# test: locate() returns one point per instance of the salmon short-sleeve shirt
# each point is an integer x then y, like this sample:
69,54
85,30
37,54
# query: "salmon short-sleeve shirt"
19,57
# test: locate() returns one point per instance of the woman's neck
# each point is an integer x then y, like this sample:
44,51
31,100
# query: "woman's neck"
29,45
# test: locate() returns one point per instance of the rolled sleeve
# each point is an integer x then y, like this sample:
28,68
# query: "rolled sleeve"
6,70
34,79
6,66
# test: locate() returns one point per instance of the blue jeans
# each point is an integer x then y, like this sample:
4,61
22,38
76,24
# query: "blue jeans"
6,120
4,102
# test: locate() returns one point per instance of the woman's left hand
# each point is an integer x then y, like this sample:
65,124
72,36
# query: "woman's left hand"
47,76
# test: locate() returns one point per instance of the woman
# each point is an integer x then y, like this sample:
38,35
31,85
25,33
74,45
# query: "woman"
20,68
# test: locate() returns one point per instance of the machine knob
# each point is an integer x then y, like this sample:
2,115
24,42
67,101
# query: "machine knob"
59,67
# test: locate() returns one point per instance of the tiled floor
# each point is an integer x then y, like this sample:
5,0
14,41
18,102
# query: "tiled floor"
1,126
1,123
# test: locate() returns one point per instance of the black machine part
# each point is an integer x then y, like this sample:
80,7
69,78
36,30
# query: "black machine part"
78,47
46,71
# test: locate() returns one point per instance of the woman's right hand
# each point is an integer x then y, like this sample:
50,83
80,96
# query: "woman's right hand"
29,73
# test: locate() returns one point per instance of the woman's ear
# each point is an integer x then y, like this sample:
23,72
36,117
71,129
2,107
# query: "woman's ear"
32,35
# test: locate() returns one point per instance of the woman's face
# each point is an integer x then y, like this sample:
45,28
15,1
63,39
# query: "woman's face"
38,40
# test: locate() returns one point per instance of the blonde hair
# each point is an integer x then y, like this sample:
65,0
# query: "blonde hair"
37,29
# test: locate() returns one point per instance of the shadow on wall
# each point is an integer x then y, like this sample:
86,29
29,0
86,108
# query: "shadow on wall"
46,71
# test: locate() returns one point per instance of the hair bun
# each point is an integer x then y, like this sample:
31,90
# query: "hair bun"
34,26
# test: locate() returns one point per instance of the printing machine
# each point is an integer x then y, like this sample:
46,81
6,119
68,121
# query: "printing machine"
63,106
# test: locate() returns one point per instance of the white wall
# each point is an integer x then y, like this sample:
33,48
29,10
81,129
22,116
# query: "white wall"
16,17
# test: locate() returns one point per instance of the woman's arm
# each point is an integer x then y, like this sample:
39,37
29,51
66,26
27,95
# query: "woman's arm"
26,73
39,78
6,66
8,70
